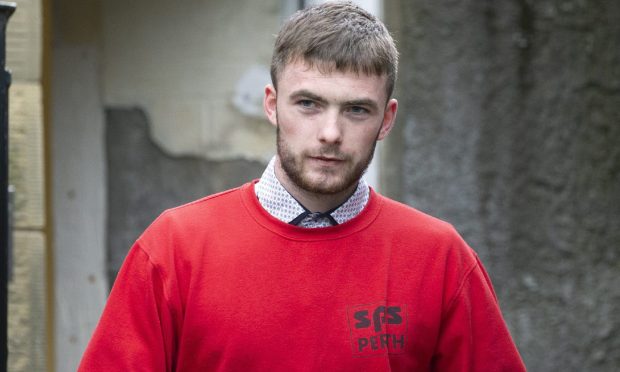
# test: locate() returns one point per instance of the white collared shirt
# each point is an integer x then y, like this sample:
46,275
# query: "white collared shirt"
281,205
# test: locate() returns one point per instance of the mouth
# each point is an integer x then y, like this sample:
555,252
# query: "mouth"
326,160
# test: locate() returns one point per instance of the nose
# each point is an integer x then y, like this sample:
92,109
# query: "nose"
330,130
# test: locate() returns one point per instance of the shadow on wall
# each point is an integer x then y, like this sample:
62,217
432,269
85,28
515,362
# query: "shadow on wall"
143,180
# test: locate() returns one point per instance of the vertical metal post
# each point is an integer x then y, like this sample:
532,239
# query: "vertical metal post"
6,9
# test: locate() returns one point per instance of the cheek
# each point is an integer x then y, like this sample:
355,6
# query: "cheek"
361,141
291,134
295,126
287,130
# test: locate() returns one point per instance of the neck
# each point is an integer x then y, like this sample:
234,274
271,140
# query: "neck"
314,202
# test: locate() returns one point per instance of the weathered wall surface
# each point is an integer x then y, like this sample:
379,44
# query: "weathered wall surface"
78,181
143,180
198,70
27,321
197,73
510,129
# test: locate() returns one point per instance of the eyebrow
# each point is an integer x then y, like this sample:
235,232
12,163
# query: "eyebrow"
304,93
363,102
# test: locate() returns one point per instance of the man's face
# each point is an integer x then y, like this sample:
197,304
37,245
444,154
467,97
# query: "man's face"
327,125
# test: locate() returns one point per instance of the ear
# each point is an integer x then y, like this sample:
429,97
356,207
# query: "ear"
389,116
269,104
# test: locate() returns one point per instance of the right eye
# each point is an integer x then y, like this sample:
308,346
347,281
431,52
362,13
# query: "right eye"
306,103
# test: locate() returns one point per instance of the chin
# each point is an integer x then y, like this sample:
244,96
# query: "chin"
326,187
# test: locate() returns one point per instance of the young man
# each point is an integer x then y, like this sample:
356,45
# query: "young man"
307,269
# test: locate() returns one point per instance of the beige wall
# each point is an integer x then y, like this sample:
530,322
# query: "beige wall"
198,69
27,289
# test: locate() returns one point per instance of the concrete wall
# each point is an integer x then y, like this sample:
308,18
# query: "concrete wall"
27,321
78,177
509,129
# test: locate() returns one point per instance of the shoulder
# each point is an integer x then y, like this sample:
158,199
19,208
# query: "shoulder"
182,233
407,219
417,231
193,217
203,207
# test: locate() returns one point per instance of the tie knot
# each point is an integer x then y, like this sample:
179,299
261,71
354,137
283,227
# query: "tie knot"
317,219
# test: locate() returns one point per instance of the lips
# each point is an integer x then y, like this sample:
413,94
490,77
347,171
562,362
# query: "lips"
326,158
326,161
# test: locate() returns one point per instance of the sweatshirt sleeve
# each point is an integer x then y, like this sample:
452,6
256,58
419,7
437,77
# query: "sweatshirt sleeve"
135,332
474,336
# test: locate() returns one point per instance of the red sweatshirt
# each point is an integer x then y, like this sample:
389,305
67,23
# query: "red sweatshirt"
221,285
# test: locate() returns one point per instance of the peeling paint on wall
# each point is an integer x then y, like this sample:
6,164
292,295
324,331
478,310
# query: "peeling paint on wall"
143,179
249,91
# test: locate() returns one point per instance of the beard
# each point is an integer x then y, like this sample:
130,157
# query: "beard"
330,182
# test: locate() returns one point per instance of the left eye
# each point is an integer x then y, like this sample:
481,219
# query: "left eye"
358,110
306,103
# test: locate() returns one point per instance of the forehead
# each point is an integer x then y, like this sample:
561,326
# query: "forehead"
327,81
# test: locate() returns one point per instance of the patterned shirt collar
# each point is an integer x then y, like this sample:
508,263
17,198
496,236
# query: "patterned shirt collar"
281,205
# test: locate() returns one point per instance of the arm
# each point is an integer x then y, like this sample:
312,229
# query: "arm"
474,336
135,332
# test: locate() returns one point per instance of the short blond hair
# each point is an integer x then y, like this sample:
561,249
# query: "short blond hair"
340,36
